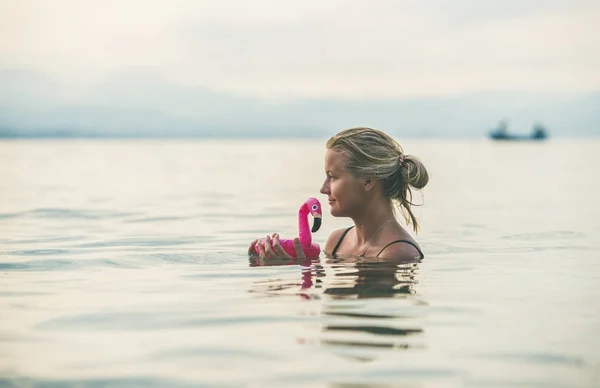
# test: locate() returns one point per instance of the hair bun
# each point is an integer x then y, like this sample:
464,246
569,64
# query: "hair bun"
416,173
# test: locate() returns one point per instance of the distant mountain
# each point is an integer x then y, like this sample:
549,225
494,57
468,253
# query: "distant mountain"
138,103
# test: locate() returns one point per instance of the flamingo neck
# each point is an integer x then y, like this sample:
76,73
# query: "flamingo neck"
303,230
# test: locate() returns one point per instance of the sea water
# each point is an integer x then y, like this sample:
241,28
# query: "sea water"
123,264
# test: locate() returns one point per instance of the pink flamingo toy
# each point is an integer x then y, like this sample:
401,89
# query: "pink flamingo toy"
310,249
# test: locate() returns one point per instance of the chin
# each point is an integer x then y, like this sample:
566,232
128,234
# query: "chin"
334,211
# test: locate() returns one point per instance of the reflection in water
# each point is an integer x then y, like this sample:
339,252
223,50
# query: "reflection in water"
370,278
356,330
309,268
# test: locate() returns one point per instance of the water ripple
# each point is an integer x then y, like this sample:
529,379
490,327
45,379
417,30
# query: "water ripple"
66,213
147,242
539,358
552,235
131,382
145,321
154,219
56,265
38,252
211,352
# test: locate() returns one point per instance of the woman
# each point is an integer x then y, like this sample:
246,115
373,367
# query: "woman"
368,175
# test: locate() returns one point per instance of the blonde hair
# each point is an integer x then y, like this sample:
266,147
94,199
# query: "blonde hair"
371,153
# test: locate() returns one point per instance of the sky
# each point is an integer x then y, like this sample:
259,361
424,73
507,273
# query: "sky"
276,49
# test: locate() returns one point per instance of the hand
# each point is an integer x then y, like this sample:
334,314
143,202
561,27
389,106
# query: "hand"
272,249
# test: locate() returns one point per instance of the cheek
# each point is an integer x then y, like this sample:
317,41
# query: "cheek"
340,192
347,193
334,188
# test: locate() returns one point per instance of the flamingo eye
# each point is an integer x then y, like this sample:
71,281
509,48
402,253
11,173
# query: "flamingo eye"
314,207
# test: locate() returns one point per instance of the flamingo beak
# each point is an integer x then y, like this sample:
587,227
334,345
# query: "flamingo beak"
316,223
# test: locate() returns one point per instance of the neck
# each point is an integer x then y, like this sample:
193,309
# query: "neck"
304,234
370,219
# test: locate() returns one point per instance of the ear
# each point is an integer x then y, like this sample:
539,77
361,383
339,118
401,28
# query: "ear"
369,184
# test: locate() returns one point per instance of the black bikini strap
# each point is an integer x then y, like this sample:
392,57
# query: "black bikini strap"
405,241
340,240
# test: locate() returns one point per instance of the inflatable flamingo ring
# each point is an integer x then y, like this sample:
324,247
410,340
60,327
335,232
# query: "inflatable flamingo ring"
310,249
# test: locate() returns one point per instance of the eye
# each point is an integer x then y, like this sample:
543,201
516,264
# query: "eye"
314,207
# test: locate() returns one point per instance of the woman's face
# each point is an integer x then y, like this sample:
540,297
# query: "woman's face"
344,192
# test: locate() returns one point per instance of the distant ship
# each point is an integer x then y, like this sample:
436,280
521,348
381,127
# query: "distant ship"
500,133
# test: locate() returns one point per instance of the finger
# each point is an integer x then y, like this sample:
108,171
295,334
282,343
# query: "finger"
279,251
269,249
298,247
261,249
251,250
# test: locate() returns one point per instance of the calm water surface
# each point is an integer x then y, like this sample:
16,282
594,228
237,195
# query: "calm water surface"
122,263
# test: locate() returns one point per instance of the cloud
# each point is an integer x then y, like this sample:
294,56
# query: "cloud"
278,49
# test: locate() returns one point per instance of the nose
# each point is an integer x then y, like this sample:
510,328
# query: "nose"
325,188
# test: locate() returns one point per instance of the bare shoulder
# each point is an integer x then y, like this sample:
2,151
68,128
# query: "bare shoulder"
333,239
401,251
